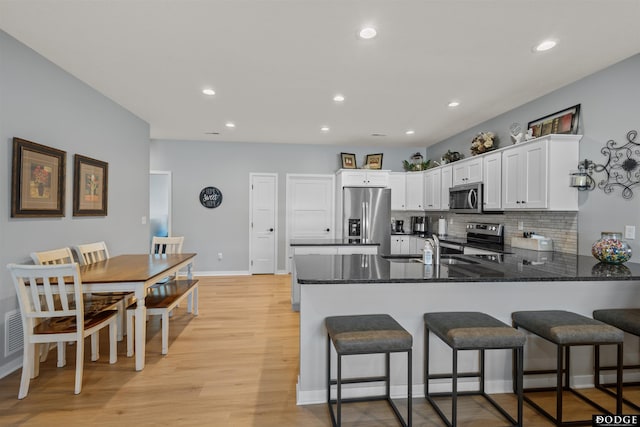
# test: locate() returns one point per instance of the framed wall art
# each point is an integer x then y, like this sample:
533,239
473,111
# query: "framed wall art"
348,160
37,180
373,161
564,121
90,186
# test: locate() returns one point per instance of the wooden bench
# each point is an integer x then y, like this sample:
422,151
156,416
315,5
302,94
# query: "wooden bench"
161,300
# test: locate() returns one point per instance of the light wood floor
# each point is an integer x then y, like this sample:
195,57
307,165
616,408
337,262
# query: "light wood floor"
233,365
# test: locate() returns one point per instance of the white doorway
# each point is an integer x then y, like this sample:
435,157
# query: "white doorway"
310,208
263,233
160,203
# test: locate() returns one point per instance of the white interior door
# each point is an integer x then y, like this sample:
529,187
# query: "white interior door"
310,208
264,202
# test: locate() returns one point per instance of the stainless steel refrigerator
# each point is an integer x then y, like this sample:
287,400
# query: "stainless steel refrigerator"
366,216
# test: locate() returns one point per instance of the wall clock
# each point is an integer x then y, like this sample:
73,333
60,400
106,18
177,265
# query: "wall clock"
210,197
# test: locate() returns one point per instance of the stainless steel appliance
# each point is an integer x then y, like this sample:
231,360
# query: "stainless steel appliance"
481,239
366,216
419,224
486,236
466,198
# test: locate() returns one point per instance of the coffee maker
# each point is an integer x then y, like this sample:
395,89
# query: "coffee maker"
419,224
399,226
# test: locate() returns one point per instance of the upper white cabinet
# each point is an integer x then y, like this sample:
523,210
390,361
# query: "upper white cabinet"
467,171
362,178
492,180
446,181
432,189
415,191
397,183
534,174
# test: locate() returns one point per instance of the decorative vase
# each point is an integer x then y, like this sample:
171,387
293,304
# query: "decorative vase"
611,249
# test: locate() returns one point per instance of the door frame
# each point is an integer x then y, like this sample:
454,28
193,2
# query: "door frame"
252,175
169,198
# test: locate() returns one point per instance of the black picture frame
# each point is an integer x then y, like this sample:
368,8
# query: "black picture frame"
373,161
561,122
90,186
348,161
37,180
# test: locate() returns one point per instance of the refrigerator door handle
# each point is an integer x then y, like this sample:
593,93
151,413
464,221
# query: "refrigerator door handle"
367,231
363,232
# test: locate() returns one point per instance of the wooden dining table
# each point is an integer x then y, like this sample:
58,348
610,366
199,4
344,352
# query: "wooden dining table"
134,273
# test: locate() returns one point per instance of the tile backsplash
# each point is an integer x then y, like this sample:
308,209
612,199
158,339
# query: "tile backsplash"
561,227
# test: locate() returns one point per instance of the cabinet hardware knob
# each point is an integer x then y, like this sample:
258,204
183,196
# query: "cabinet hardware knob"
271,229
327,229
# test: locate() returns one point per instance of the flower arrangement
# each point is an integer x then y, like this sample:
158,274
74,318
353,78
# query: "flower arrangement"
482,143
40,175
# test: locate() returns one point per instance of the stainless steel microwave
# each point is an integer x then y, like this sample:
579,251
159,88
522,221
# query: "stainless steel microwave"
466,198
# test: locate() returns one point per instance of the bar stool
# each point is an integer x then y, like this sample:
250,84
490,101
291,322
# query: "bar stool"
472,331
366,334
627,319
566,329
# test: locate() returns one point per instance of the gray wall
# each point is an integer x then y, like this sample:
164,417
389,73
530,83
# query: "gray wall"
195,165
610,107
42,103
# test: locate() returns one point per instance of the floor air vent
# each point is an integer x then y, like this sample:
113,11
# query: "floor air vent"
12,332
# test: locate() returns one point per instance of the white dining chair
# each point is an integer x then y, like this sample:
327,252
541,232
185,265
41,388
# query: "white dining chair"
51,313
90,253
167,245
90,302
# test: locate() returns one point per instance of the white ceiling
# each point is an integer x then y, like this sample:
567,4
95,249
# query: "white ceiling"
276,64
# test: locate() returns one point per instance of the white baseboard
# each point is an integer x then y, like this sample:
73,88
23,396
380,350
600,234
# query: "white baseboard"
11,367
220,273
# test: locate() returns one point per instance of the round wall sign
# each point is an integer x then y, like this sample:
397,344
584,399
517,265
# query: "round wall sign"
210,197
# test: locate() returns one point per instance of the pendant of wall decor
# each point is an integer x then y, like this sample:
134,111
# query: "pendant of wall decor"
210,197
622,167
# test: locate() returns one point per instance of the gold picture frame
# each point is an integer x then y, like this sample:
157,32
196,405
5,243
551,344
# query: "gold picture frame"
37,180
90,186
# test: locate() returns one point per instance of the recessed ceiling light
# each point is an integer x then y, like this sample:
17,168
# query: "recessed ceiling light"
367,33
230,125
324,128
453,104
545,45
338,98
209,91
410,132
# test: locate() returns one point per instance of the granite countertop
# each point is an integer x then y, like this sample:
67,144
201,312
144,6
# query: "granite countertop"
332,242
519,266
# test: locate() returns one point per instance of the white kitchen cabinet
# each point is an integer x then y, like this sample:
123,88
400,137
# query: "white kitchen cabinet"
363,178
432,189
467,171
446,181
415,191
400,244
492,181
534,174
398,185
416,245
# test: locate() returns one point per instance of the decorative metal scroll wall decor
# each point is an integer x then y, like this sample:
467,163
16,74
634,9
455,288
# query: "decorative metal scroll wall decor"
622,168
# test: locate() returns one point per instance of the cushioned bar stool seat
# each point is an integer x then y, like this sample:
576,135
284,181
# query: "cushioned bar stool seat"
566,329
627,319
472,331
366,334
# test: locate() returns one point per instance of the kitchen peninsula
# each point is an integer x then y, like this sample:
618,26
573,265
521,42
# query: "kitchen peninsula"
406,289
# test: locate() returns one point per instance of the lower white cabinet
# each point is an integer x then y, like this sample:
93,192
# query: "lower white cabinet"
400,244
